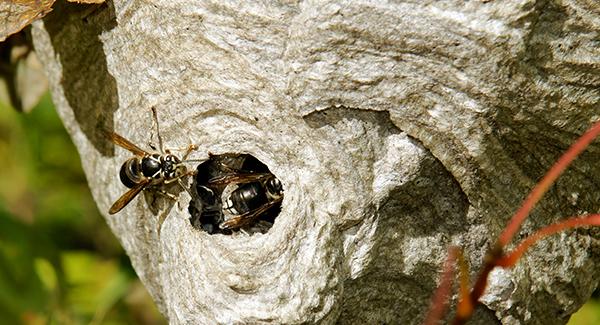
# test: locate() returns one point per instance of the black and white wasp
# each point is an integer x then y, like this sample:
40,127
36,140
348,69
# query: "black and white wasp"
234,191
148,169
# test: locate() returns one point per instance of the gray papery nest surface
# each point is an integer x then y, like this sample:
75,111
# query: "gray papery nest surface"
396,129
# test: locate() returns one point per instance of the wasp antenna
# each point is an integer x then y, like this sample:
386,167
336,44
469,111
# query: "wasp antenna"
160,142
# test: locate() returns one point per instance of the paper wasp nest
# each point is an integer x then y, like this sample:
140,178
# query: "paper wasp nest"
394,128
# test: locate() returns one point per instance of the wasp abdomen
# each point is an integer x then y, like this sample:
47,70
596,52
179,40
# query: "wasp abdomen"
246,197
130,172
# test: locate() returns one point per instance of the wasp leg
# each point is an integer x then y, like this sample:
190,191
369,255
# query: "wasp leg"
177,179
167,194
188,149
184,187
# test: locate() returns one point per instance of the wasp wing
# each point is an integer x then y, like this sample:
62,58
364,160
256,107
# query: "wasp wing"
238,178
128,196
246,218
126,144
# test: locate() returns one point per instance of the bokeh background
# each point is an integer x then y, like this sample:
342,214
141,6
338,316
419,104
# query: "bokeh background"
59,262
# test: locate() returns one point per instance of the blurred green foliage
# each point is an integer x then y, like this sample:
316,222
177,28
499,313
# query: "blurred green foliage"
59,262
589,313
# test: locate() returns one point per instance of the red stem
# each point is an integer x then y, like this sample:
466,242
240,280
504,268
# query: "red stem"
544,184
495,256
480,284
465,306
511,259
439,301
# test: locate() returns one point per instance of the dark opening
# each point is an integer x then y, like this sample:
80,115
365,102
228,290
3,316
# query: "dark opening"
233,192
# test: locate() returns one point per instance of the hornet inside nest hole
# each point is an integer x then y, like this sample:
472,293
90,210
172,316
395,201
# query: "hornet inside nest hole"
234,192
